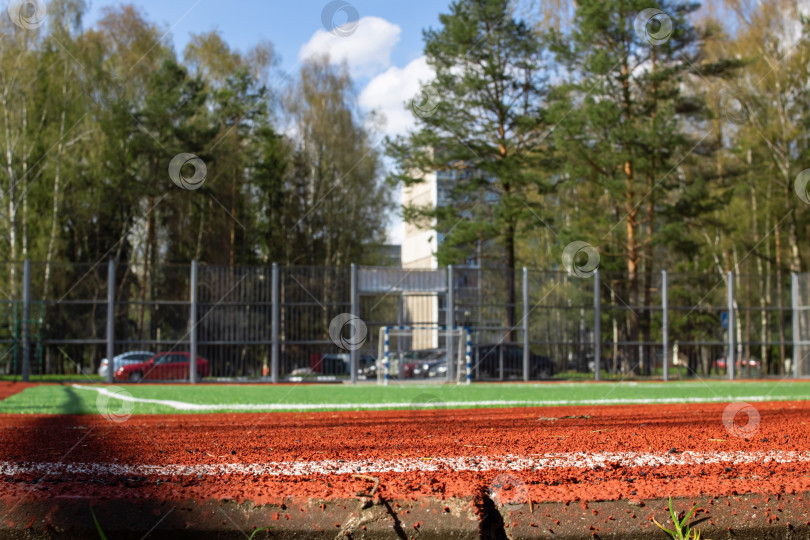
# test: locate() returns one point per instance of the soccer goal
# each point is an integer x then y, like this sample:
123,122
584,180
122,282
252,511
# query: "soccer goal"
403,350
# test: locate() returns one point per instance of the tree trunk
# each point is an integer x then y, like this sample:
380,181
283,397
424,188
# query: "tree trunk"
631,242
631,248
762,281
646,320
232,235
24,179
198,247
55,201
782,157
146,264
511,297
779,299
12,198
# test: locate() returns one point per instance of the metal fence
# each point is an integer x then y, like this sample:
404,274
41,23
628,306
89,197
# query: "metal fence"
274,322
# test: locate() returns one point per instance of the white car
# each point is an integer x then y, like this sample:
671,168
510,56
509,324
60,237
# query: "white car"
125,359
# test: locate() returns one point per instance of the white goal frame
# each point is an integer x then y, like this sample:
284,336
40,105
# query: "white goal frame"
464,348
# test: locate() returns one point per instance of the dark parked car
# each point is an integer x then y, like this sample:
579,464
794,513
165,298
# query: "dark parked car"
338,363
414,363
437,368
418,363
162,367
487,361
330,364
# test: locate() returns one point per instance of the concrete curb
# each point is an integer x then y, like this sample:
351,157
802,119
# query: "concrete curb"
753,517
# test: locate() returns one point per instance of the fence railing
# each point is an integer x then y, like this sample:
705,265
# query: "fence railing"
273,322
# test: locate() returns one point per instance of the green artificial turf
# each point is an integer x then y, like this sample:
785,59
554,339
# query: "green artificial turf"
68,399
54,378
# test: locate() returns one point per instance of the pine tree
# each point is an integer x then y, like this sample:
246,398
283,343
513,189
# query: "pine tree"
480,123
626,127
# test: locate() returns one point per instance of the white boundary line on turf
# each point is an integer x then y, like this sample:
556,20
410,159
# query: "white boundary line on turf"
185,406
472,463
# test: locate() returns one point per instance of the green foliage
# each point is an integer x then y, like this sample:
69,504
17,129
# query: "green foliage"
96,115
682,529
678,153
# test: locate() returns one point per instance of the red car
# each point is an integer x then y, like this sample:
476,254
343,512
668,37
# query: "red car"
752,362
161,367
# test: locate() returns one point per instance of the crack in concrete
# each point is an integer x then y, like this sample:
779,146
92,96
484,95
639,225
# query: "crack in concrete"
491,525
366,513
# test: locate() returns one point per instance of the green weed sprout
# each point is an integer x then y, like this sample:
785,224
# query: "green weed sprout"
98,525
682,531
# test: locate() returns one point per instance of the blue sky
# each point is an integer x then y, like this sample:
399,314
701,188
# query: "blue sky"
288,25
384,50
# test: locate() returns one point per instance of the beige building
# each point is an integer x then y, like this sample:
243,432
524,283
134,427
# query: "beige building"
419,246
420,242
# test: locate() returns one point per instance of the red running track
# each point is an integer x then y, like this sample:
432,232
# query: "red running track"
547,454
9,388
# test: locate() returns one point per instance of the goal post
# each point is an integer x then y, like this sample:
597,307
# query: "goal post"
458,343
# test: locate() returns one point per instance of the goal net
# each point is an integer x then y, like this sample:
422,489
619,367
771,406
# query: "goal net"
408,352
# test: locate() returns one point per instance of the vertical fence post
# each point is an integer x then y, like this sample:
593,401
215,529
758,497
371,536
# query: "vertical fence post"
794,304
526,348
385,356
468,356
451,323
192,320
665,322
274,297
354,354
26,315
730,356
597,324
110,320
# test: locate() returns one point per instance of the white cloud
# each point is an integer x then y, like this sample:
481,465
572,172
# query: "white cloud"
367,50
391,92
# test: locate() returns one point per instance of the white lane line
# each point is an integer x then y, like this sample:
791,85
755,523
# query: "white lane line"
186,406
451,464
